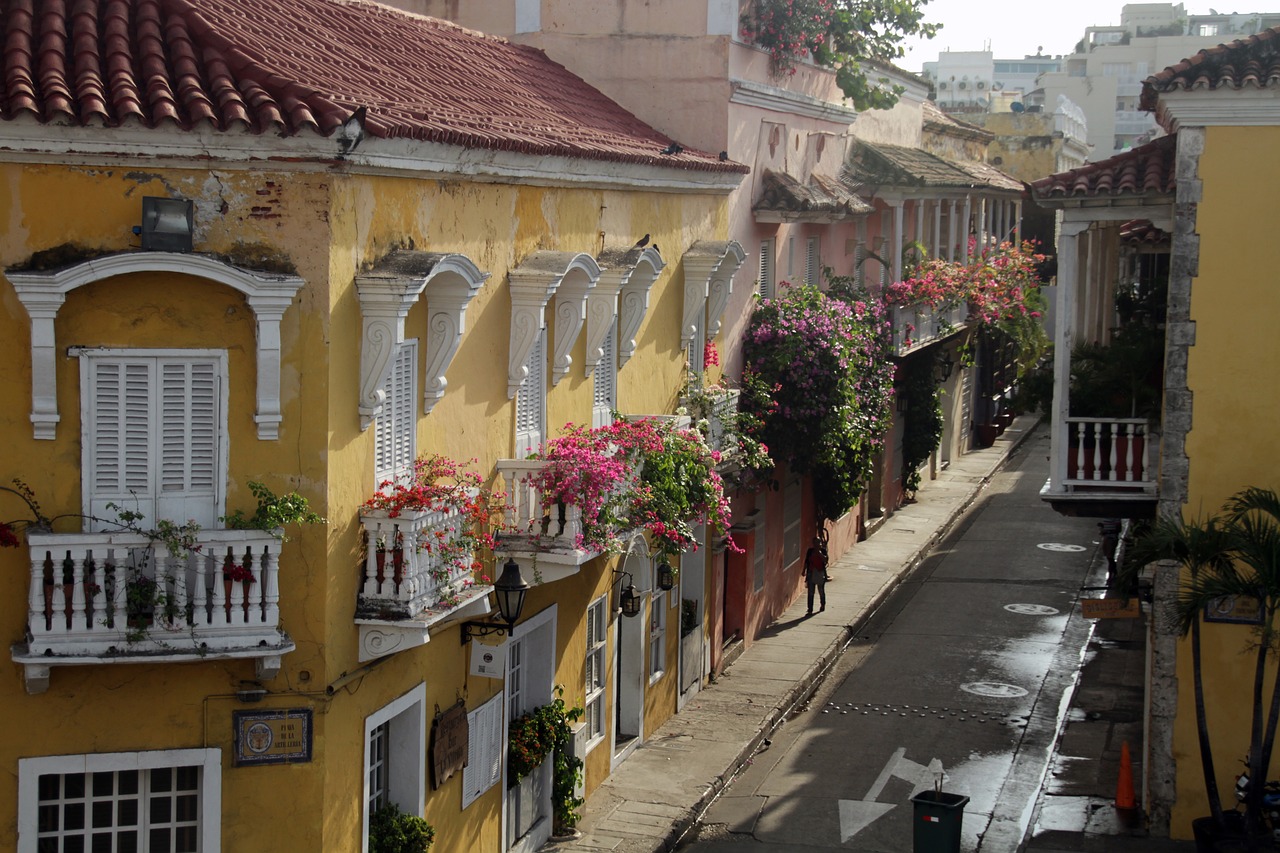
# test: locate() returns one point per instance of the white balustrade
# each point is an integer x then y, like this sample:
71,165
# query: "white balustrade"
720,419
916,325
413,563
1108,453
123,594
558,525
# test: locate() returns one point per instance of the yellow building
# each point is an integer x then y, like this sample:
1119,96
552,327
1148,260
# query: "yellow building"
231,259
1182,219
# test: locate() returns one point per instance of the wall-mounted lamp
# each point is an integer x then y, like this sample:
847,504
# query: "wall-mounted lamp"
167,224
509,592
629,598
666,576
944,365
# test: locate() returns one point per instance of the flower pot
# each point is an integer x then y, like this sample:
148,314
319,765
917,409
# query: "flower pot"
985,434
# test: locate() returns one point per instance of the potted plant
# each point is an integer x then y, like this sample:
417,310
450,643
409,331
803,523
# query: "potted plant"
273,512
394,831
544,731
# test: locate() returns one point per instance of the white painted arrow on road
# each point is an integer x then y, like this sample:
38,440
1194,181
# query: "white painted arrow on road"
857,815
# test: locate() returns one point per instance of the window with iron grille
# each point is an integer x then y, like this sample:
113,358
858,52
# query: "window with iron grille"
378,766
147,802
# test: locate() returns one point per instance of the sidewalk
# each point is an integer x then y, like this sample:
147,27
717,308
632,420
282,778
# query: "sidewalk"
657,794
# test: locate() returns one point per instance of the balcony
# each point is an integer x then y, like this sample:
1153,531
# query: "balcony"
918,326
409,588
101,598
549,534
720,420
1105,467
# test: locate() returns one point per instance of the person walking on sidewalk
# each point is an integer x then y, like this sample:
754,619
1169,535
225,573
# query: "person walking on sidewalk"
815,573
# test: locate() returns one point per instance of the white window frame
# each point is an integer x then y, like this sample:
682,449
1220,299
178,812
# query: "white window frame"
597,662
657,626
90,360
209,762
395,439
407,742
765,284
486,747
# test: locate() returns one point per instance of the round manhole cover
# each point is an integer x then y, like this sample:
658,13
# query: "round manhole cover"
1031,609
994,689
1059,546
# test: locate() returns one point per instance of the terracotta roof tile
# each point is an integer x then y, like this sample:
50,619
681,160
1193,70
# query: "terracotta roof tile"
1140,232
822,198
897,165
226,64
1146,170
1248,62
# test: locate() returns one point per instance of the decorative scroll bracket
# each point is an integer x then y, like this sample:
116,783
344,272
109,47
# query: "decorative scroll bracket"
571,311
533,283
633,301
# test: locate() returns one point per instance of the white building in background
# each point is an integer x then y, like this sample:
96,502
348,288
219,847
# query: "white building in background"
973,81
1103,74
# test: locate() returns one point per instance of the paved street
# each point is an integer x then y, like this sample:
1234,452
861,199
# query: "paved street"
960,679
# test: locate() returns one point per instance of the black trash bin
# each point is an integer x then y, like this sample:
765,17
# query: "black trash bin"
938,818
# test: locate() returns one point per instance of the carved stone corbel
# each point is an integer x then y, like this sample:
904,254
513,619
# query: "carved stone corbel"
453,283
721,285
533,283
385,300
571,311
633,301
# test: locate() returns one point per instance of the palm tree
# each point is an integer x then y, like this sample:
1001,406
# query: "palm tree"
1198,546
1251,570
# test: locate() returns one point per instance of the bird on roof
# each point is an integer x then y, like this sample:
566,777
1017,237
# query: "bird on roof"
673,148
724,155
352,132
642,242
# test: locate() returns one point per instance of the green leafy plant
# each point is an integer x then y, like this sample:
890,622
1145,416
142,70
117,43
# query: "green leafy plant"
922,419
855,37
541,732
394,831
9,530
818,377
273,512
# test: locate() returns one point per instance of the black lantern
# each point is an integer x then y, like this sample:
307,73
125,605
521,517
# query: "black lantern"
666,576
944,366
509,592
629,601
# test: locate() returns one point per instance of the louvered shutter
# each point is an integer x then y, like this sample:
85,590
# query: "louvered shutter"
859,262
395,437
485,743
152,437
117,423
812,263
766,269
531,402
605,382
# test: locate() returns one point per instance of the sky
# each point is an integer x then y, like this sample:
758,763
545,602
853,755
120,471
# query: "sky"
1016,32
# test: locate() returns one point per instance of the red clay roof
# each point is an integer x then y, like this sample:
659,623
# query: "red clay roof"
285,66
1148,169
1252,61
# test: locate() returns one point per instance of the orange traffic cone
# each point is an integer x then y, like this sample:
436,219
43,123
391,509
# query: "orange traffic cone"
1124,786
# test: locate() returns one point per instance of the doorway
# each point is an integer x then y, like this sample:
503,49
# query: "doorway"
531,656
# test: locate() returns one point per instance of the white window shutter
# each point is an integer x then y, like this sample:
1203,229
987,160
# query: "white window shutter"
396,429
766,269
118,419
531,401
605,382
812,263
485,742
188,441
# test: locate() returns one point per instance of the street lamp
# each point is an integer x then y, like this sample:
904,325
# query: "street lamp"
509,593
629,598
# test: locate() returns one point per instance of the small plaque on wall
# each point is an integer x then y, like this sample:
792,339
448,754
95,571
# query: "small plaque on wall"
272,737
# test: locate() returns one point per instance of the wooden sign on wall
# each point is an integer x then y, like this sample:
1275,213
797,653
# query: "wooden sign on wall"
449,740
